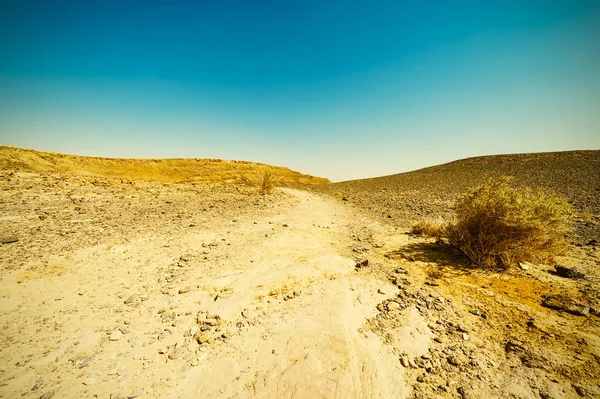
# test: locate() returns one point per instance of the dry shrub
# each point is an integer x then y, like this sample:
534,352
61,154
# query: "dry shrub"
498,225
264,180
429,228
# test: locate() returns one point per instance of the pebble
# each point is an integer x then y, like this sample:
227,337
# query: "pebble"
382,291
465,336
89,381
116,335
422,378
47,395
454,360
8,239
476,312
185,289
462,328
391,306
404,362
133,300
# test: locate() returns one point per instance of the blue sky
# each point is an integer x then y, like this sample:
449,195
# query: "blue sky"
341,89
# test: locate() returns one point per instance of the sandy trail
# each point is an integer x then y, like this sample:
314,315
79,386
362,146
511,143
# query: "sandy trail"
278,308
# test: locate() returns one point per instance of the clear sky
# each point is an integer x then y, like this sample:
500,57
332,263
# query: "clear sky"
340,89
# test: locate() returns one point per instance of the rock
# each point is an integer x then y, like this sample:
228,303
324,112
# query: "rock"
462,328
116,335
568,272
579,390
48,395
382,291
454,360
185,289
463,393
391,306
523,266
176,352
412,364
476,312
465,336
203,337
592,243
135,394
362,263
513,345
89,381
401,270
422,378
564,303
85,362
8,239
133,300
404,361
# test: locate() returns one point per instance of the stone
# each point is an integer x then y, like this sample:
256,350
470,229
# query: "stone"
362,263
48,395
116,335
85,362
513,345
133,300
564,303
185,289
404,361
176,352
391,306
579,390
463,393
382,291
568,272
135,394
523,266
8,239
476,312
401,270
422,378
463,328
465,336
454,360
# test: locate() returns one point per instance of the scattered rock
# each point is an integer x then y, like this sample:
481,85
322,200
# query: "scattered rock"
176,352
465,336
462,328
422,378
579,390
135,394
48,395
463,393
185,289
454,360
85,362
514,345
401,270
8,239
133,300
404,361
362,263
566,304
116,335
391,306
476,312
568,272
382,291
523,266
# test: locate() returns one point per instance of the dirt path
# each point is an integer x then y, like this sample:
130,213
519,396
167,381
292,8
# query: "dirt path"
277,311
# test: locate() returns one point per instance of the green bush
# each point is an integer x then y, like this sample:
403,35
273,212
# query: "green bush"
498,225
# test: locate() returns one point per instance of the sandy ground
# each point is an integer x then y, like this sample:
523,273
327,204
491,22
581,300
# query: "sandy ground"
119,290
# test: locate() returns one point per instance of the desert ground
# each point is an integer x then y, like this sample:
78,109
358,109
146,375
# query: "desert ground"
161,288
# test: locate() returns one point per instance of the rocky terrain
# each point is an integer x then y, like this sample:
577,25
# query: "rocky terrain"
431,192
123,288
193,170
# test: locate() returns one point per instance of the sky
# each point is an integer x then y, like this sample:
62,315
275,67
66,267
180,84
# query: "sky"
339,89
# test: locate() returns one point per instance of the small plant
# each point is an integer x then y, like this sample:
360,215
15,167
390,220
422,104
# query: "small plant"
498,225
264,181
429,228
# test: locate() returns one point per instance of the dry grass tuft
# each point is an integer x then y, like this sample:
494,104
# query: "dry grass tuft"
264,181
429,228
498,225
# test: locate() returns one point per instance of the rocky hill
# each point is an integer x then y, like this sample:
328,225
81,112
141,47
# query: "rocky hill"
430,192
171,170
